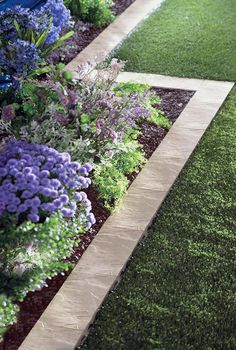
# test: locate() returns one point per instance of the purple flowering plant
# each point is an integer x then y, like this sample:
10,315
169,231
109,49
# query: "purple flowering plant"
28,36
37,181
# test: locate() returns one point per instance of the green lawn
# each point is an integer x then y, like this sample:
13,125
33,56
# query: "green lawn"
179,290
186,38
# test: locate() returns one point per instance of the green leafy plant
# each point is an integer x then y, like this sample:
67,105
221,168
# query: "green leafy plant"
158,118
111,184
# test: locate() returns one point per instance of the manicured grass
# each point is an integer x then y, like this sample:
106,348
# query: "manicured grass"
186,38
179,289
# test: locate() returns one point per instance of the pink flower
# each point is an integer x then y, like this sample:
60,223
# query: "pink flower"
98,126
64,100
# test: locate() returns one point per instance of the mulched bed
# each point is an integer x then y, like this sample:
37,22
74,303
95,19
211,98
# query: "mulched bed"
172,104
85,33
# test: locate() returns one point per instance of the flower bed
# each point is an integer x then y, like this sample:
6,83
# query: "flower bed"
100,213
55,131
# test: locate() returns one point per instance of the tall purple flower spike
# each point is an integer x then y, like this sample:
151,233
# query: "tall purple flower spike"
5,80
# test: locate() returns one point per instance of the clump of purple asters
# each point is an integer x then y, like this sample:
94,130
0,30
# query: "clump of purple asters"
37,181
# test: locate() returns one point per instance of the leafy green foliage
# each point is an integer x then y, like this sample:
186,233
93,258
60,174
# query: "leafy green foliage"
93,120
96,11
130,88
159,119
129,159
134,89
111,184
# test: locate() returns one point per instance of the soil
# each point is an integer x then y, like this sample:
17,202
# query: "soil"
172,104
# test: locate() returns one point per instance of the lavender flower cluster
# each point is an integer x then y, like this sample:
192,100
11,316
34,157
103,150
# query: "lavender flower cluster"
20,54
37,181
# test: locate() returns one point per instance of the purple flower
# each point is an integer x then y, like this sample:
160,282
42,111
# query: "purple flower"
3,172
64,199
67,213
88,166
60,118
53,35
33,217
18,54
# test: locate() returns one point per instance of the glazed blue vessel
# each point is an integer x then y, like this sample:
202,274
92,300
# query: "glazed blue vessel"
32,4
5,80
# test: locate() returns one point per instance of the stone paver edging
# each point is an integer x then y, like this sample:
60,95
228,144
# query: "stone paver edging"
66,320
114,34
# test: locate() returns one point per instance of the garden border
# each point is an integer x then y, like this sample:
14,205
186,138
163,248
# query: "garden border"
66,320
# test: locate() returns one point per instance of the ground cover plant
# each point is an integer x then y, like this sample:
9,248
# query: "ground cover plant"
55,131
178,291
185,38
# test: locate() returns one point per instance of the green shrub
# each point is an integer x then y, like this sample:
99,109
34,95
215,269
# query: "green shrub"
130,88
111,184
97,12
158,118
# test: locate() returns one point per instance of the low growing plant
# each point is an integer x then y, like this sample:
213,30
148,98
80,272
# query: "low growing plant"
111,184
91,118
